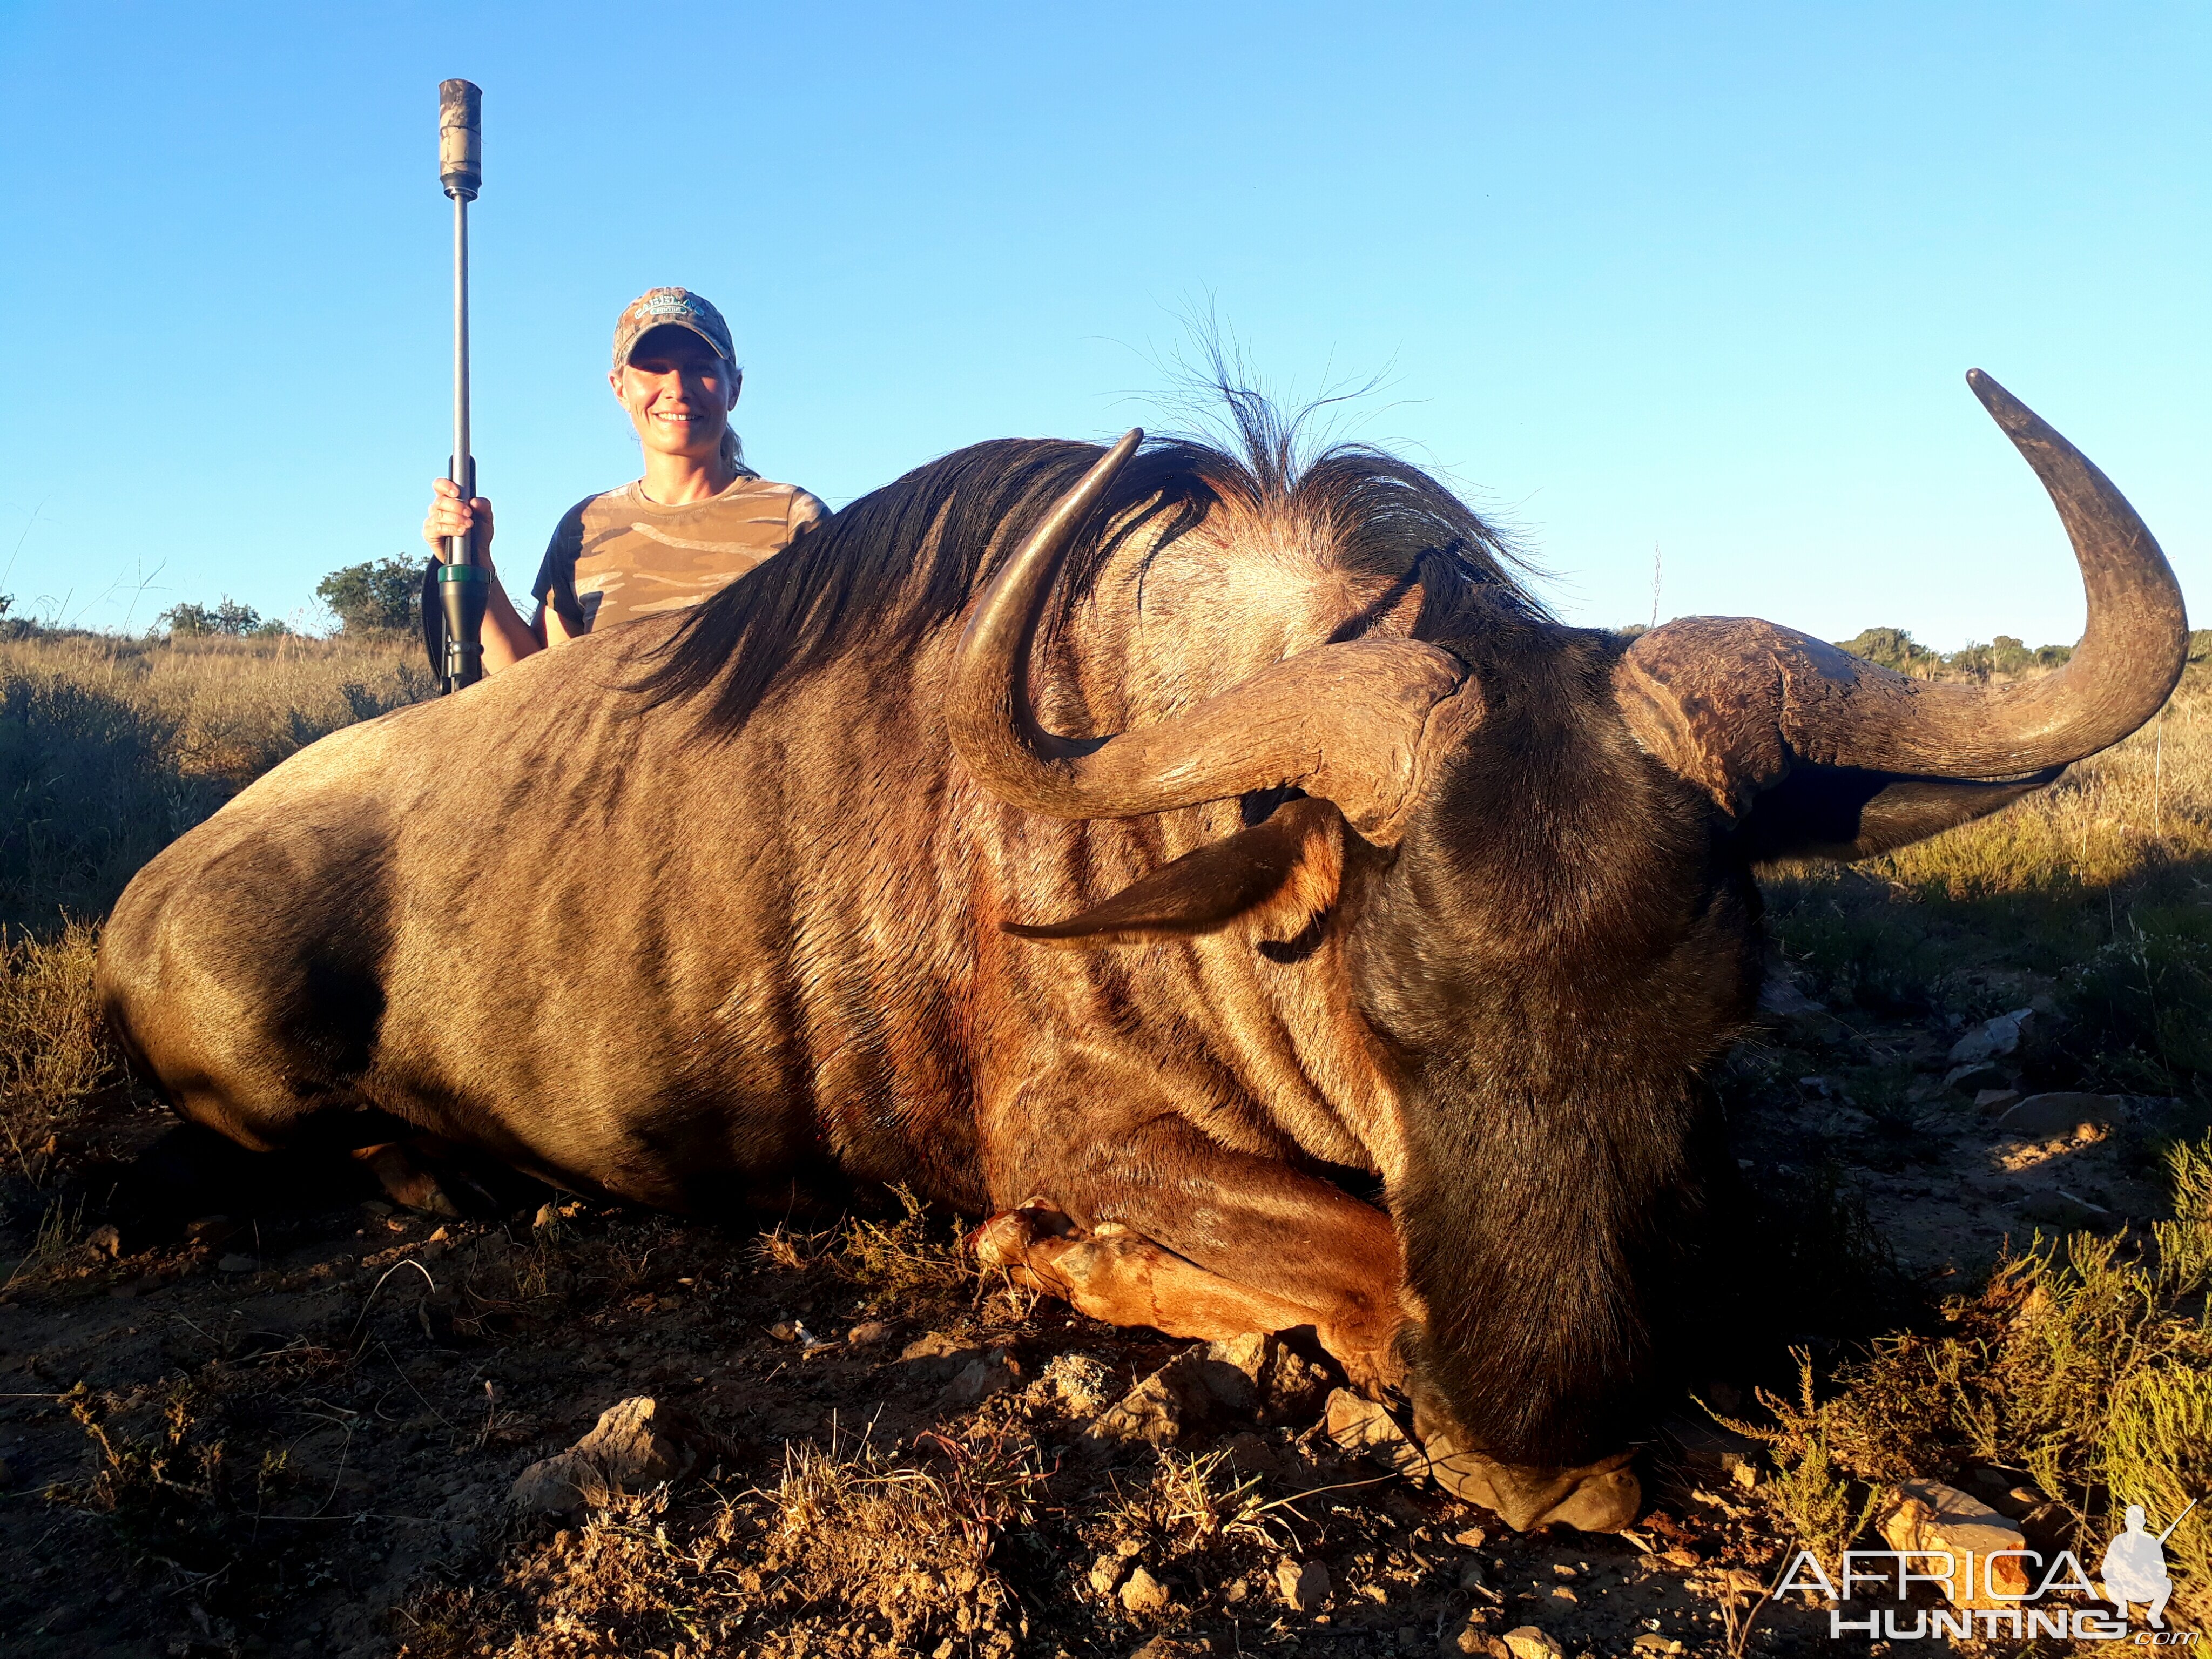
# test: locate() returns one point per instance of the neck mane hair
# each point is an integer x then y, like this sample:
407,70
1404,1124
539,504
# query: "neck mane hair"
905,560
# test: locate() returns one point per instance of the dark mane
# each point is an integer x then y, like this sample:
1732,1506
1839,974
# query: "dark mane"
904,560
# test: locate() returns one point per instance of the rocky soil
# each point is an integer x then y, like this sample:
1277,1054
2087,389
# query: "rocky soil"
296,1424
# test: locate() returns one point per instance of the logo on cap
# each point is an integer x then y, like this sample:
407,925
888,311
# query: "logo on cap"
676,308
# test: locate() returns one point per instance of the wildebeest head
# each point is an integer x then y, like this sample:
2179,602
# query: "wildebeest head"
1536,844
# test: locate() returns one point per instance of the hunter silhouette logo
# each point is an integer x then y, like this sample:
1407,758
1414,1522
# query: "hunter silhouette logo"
2135,1567
1981,1592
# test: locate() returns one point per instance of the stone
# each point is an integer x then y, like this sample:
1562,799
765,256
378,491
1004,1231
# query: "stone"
1992,1039
1157,1411
1106,1574
981,1378
1304,1584
107,1240
1359,1425
935,1357
1292,1387
1237,1375
1530,1642
1172,1647
1260,1372
868,1334
1472,1578
1706,1453
2042,1117
1467,1636
234,1263
1994,1102
1082,1385
1230,1369
1779,994
637,1443
1927,1515
1142,1593
1655,1646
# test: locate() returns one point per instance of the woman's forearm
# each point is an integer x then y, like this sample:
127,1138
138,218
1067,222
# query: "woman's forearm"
507,638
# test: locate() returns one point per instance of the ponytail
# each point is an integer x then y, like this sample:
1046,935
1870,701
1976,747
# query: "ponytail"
733,447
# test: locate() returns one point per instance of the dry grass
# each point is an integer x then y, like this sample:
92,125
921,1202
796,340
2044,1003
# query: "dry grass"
2101,884
2111,821
110,748
54,1054
915,1265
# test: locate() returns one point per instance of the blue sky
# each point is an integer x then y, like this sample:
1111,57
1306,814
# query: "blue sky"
1701,278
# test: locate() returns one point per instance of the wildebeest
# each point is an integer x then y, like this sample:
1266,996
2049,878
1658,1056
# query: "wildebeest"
1138,850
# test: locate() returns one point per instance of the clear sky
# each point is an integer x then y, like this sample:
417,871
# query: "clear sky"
1702,278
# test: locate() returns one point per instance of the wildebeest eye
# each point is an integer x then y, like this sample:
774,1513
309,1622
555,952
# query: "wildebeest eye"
1300,946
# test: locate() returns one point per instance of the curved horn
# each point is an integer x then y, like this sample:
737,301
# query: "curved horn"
1730,702
1343,722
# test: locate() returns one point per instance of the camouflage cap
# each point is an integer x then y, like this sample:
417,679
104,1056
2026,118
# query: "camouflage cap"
671,308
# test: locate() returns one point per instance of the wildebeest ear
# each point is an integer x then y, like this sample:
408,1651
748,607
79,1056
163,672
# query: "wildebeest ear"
1839,812
1288,866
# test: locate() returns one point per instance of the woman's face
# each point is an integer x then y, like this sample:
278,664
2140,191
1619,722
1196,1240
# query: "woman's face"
679,392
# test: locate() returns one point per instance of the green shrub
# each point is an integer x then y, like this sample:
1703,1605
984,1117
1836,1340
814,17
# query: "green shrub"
380,597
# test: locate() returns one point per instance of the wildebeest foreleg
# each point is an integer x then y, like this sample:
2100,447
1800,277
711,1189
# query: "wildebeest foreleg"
1224,1245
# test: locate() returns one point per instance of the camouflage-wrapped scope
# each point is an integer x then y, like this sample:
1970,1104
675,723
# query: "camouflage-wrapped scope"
460,138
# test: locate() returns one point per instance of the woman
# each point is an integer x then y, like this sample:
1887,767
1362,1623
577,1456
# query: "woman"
696,521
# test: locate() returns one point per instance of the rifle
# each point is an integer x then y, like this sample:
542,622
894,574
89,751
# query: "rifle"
457,647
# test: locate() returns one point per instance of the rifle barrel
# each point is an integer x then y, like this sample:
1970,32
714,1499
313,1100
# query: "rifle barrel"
463,469
2178,1519
462,581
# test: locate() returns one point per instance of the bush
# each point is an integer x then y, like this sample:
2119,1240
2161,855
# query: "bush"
1896,649
229,617
1892,647
2082,1363
381,596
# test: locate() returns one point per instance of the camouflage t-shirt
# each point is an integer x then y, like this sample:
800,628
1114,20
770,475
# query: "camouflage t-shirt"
616,555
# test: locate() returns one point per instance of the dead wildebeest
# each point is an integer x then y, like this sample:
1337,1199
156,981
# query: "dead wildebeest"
1385,872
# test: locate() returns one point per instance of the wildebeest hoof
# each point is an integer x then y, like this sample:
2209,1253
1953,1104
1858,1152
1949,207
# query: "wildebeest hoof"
1004,1241
408,1180
1599,1497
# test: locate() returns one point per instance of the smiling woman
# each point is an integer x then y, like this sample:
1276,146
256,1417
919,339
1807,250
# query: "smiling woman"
697,520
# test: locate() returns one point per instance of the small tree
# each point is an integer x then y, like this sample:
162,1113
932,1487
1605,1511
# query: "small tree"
1973,658
1893,648
228,617
375,597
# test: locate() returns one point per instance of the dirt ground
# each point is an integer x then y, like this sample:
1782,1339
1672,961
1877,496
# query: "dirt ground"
284,1417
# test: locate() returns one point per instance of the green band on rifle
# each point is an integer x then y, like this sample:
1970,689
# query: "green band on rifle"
461,573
